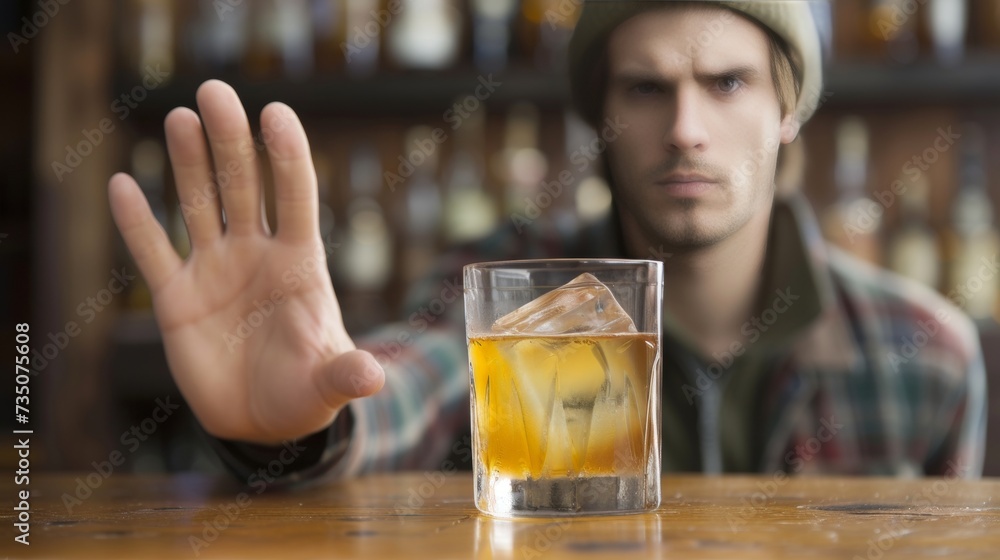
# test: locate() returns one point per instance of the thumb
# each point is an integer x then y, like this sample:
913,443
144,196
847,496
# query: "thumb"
351,375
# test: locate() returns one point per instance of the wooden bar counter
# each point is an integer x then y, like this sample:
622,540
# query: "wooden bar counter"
431,515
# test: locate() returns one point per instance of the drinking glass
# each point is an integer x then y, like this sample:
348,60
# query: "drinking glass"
564,357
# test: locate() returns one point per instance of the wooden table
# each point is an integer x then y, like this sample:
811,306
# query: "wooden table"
418,515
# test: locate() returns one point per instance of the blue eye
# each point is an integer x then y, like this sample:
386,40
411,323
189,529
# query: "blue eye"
729,84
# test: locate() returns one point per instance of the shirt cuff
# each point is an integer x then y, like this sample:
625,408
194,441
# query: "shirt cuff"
294,462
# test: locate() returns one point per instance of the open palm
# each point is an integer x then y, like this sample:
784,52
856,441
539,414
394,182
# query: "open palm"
250,323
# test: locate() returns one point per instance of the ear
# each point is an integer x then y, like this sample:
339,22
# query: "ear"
789,128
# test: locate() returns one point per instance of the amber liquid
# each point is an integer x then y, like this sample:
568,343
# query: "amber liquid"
563,406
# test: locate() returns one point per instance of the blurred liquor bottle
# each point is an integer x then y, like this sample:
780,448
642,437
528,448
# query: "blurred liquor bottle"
328,29
972,240
324,187
262,59
423,204
294,38
363,36
426,34
849,29
365,262
590,197
593,199
520,164
278,37
913,247
545,30
893,27
151,37
577,164
853,221
216,36
470,212
491,20
984,25
947,23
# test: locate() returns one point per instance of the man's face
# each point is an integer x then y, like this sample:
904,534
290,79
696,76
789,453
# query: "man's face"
696,162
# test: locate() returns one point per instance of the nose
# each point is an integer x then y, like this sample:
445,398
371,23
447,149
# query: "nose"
686,130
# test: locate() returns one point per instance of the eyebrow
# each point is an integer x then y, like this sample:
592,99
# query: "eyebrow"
744,72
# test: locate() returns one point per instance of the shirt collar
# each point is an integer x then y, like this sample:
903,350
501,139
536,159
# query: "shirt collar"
821,337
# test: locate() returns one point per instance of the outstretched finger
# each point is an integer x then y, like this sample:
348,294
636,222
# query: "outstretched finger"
192,164
145,238
295,192
235,157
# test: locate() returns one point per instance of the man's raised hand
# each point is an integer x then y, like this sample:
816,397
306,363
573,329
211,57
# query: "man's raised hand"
250,323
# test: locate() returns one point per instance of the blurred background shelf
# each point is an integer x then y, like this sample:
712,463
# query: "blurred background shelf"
401,94
384,95
975,79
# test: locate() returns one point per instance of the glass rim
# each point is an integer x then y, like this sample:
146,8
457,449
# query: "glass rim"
567,265
554,265
514,263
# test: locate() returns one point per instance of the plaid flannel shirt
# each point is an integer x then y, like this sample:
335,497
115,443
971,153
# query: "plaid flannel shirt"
873,374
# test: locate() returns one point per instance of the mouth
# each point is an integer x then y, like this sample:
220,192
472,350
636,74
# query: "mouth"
686,184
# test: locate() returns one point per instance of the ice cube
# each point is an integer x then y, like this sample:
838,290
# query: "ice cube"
584,305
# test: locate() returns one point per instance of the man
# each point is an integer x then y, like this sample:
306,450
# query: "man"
779,353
